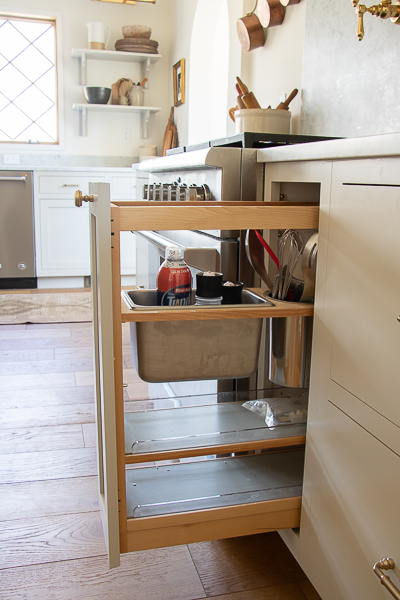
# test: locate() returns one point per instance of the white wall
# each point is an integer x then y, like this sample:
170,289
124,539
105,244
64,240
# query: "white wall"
351,88
276,69
270,71
104,129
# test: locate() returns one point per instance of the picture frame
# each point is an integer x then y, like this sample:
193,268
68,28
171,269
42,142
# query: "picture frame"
179,82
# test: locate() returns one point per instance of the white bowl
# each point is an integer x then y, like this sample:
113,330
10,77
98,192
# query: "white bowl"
263,120
136,31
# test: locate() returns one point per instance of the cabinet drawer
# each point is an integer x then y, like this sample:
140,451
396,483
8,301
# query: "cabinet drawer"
67,184
355,507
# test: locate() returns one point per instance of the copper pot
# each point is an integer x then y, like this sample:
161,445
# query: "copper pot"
271,12
250,31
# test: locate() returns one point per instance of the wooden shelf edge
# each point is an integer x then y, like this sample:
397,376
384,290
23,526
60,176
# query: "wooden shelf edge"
280,309
115,55
212,524
115,108
287,442
223,215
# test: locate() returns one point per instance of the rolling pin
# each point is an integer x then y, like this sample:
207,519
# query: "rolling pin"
248,98
250,101
285,105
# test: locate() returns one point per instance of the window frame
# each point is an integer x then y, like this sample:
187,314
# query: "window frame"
56,18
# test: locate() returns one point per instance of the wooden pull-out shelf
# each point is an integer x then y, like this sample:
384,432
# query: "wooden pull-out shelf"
209,499
190,431
179,488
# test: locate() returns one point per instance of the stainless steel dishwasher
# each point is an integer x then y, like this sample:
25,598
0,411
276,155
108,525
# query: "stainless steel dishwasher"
17,250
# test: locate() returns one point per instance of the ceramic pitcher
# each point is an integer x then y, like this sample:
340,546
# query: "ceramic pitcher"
97,35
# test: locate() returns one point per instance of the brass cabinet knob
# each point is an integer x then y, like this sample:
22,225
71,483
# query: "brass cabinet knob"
79,198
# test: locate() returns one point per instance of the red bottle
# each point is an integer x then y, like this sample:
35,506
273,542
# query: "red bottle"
174,280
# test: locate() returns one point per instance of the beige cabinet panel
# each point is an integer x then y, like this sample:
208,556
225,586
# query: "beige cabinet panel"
354,516
363,292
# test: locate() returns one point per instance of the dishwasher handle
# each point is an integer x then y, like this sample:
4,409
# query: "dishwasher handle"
20,178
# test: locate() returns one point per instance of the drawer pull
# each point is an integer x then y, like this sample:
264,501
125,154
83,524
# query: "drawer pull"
70,185
398,318
386,564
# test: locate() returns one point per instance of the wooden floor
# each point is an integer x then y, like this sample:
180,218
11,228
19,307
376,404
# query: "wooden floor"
51,540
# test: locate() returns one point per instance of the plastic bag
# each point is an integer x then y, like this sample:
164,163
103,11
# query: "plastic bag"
279,411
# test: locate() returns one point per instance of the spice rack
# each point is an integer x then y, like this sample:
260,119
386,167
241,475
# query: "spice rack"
151,493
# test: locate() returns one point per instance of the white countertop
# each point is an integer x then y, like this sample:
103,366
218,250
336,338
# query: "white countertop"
126,170
376,146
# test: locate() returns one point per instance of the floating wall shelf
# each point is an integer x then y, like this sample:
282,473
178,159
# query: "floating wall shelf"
83,54
145,112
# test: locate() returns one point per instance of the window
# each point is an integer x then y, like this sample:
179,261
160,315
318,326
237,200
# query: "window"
28,80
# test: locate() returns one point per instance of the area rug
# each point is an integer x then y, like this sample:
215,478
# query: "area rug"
53,307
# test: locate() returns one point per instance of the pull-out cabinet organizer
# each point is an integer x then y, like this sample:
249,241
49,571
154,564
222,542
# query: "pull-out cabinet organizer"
208,468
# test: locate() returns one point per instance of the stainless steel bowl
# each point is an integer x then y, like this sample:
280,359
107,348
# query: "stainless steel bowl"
97,95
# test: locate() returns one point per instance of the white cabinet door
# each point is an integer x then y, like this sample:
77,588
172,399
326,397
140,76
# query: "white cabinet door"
63,246
353,435
363,295
104,368
354,513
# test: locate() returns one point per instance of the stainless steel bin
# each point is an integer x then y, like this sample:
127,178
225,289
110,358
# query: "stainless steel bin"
290,351
194,350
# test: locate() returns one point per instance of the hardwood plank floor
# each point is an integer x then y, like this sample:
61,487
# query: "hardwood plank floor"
27,500
51,540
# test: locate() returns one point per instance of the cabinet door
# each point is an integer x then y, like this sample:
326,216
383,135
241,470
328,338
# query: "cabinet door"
100,234
63,238
363,295
353,441
354,513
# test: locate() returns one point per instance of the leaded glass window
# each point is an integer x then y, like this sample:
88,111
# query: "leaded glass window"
28,80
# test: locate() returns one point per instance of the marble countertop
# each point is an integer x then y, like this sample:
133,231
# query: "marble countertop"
377,146
126,170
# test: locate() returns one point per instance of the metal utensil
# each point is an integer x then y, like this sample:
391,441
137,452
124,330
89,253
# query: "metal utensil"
289,251
255,256
308,265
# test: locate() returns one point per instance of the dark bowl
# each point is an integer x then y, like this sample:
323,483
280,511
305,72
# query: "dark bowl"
97,95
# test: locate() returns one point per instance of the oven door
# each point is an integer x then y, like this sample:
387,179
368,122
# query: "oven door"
203,252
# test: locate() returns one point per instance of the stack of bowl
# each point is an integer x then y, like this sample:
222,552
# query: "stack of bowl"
137,39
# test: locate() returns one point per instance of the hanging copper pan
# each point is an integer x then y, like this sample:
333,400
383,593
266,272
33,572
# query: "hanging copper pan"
271,12
250,31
